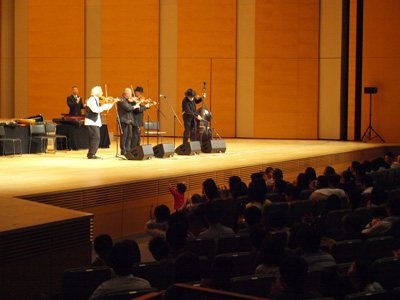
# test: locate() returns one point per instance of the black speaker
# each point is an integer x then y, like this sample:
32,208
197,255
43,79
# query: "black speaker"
140,153
188,148
164,150
214,146
370,90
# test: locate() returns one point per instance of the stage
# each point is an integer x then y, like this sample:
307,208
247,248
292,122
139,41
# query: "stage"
121,193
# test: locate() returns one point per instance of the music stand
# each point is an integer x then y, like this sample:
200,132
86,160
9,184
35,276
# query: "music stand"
368,132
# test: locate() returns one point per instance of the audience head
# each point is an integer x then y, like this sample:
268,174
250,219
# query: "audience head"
103,245
277,220
210,189
389,158
256,192
268,172
333,180
293,271
196,199
333,203
322,182
240,190
378,196
162,213
122,259
366,182
359,275
379,213
277,174
354,164
352,224
302,182
367,166
354,198
258,175
187,268
280,186
176,237
272,252
134,247
292,193
375,165
348,178
310,172
178,218
252,216
158,248
329,171
213,213
181,188
309,239
257,236
359,172
233,181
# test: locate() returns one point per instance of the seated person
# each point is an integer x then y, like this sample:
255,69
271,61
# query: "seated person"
361,278
213,215
103,245
121,259
293,273
159,249
292,193
327,186
158,226
367,184
252,219
352,227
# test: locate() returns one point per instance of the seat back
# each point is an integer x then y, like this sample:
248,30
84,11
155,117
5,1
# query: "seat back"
269,209
153,272
388,272
378,247
300,208
37,129
229,217
2,131
50,129
305,194
378,295
236,243
80,283
259,285
130,294
151,126
346,251
201,247
274,197
365,213
236,264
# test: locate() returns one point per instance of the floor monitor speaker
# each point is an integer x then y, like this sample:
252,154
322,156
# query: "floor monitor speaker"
214,146
140,153
188,148
164,150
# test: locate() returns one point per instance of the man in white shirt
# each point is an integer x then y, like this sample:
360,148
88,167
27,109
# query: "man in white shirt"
93,120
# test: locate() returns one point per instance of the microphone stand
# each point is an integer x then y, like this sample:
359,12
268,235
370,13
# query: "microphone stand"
148,122
118,125
158,121
212,118
175,118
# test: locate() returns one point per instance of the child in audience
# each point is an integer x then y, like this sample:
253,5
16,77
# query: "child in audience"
179,194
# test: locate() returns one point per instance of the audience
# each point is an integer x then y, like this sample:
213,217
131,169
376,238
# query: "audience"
327,186
103,245
302,182
270,257
361,279
367,184
122,259
269,180
159,248
252,218
213,215
158,225
179,194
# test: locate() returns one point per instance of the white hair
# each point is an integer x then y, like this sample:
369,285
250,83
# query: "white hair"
96,90
127,90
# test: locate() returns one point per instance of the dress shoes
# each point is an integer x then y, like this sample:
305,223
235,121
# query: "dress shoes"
93,157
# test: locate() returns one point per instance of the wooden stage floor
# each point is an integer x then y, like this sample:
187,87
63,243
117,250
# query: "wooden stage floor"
33,173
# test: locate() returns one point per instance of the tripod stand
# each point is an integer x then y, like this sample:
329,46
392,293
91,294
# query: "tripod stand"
368,132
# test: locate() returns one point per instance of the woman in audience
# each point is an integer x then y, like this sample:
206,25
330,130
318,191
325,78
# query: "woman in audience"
302,182
312,177
269,180
361,278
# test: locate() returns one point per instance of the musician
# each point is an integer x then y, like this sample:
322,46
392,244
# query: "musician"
189,112
93,120
75,103
125,112
138,117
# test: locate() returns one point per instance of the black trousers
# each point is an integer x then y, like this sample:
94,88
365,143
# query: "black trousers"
135,136
94,139
126,137
188,122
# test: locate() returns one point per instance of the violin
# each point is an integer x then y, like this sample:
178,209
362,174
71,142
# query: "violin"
108,100
142,101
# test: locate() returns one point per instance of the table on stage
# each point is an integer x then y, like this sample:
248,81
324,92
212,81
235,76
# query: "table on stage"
78,136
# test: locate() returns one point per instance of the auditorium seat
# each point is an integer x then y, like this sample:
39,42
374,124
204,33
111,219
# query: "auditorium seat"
365,213
379,295
387,272
397,177
315,279
305,194
131,294
153,272
201,247
170,270
334,222
346,251
383,181
228,212
80,283
254,285
237,264
237,243
273,207
274,197
378,247
391,181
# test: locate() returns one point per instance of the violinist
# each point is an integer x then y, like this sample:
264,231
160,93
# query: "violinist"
93,120
189,112
75,103
137,116
125,112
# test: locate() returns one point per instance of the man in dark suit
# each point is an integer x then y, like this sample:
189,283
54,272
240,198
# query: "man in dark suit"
138,117
189,112
125,112
75,103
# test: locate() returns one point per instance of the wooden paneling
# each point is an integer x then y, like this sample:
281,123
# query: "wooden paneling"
286,84
56,54
381,62
207,28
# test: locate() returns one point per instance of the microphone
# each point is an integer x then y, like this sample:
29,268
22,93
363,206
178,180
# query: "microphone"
204,85
163,96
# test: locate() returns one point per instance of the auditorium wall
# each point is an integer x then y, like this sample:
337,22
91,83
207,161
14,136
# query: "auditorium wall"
262,61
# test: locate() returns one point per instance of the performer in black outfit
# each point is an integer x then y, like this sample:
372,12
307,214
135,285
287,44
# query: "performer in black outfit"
189,112
75,103
125,112
137,117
